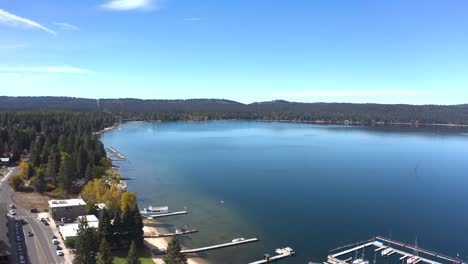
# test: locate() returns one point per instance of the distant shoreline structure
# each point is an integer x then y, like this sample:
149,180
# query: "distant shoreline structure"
317,122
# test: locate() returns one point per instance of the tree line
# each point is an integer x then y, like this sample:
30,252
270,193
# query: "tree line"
56,147
217,109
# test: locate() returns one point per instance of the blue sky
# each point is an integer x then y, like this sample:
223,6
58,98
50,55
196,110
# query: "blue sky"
386,51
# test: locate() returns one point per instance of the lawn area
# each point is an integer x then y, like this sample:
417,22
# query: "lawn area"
120,256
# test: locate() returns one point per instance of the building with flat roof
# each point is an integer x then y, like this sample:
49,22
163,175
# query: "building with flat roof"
70,208
5,246
4,161
71,230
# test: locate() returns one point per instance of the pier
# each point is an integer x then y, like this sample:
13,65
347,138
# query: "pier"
119,156
399,249
230,244
424,251
282,253
164,215
172,234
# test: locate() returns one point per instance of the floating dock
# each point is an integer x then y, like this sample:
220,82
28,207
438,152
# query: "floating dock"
165,215
119,156
399,249
282,253
424,251
172,234
230,244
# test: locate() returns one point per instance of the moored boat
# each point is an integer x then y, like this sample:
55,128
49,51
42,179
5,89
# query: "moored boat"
150,211
387,252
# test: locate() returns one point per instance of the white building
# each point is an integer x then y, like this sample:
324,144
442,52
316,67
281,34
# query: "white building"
71,230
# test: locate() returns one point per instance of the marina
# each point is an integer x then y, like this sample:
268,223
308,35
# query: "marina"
398,248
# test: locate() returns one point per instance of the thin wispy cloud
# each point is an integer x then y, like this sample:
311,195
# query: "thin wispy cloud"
13,20
354,93
12,46
60,69
192,19
125,5
66,26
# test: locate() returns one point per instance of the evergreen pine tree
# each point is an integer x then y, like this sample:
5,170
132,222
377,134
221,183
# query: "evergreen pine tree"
104,256
39,183
105,229
88,173
173,254
66,172
117,228
132,257
128,223
138,227
86,244
53,162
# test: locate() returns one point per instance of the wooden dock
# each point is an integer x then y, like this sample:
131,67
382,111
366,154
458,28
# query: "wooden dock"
282,253
165,215
230,244
119,156
172,234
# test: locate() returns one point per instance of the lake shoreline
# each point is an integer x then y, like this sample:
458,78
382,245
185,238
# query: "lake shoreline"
150,228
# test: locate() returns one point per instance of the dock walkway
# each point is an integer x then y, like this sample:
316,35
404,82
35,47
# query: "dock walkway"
282,253
172,234
164,215
424,251
230,244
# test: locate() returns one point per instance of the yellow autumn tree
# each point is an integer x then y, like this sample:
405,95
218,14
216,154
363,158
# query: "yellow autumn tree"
23,170
128,198
98,191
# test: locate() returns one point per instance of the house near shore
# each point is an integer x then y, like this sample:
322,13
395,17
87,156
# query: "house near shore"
69,208
68,231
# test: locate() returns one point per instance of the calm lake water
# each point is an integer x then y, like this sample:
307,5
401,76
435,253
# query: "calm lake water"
310,187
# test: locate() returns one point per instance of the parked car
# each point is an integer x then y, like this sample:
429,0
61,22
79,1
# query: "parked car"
55,241
63,219
19,247
57,247
12,212
12,206
18,238
59,252
22,258
33,210
30,234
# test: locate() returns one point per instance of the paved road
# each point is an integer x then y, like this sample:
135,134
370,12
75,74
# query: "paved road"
39,248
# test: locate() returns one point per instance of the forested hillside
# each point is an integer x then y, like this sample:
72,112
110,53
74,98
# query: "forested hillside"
61,146
215,109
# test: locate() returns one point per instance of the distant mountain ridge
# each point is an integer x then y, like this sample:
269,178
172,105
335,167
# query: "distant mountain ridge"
215,109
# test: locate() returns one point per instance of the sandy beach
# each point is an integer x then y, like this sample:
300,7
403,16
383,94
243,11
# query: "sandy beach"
161,243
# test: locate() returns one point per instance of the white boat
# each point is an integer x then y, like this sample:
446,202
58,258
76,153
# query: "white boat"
412,259
360,261
387,252
150,211
238,239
